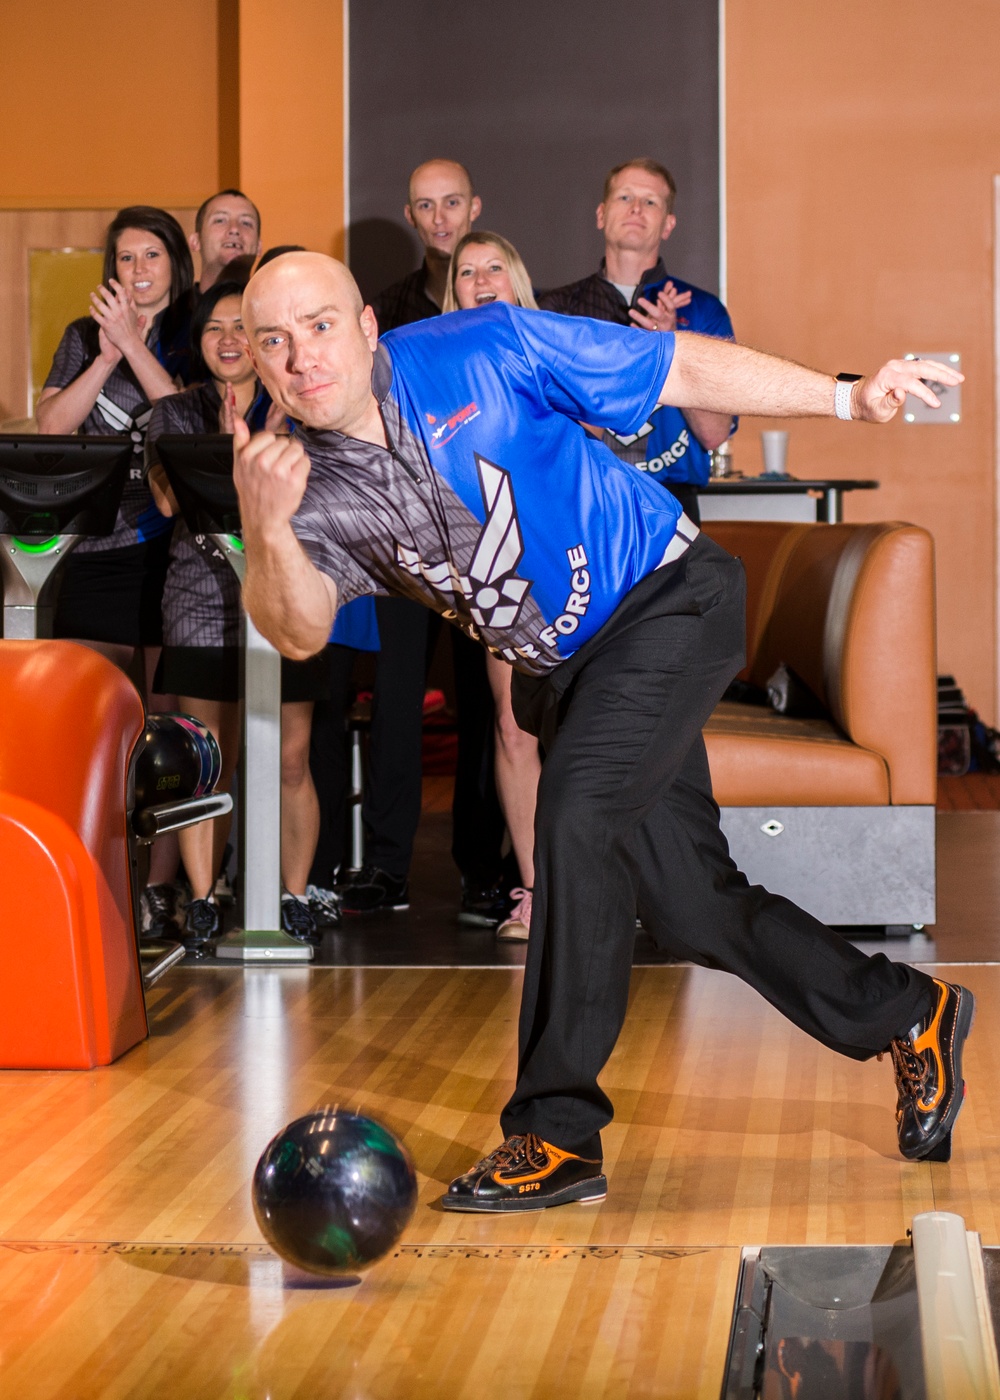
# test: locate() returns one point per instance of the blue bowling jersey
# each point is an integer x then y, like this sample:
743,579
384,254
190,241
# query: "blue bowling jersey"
492,504
665,446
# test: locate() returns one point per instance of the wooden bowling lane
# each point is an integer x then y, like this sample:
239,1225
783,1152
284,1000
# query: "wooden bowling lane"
86,1322
129,1254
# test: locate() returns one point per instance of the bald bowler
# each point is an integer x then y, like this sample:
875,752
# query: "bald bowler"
445,463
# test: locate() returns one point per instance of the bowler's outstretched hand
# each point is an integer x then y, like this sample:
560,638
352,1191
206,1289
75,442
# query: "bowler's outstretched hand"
880,396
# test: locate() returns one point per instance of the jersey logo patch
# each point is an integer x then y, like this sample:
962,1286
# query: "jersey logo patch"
450,426
492,589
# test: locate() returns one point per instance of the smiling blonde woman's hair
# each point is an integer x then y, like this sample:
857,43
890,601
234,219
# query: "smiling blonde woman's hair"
516,270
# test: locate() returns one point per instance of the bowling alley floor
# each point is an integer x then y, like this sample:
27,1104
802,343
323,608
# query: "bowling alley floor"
130,1264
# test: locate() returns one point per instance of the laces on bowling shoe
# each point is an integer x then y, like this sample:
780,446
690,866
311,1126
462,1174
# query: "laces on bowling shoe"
516,1152
911,1069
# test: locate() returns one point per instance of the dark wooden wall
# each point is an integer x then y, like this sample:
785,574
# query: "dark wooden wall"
539,98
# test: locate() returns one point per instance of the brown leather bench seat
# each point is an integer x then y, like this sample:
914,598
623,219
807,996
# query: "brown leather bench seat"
761,759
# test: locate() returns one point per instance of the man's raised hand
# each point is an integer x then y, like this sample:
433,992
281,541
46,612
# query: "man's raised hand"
880,396
270,474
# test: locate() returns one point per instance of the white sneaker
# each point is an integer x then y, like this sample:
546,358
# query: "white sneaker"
517,924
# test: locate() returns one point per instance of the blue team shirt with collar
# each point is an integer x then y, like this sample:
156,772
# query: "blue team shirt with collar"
494,505
665,447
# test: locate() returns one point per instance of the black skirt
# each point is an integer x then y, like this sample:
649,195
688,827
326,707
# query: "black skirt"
213,673
114,595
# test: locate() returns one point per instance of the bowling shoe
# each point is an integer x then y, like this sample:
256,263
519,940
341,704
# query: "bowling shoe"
202,922
297,919
369,889
158,904
525,1173
928,1068
517,924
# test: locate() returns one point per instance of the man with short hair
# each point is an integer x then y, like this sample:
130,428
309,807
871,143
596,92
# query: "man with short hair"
442,208
636,216
536,540
226,237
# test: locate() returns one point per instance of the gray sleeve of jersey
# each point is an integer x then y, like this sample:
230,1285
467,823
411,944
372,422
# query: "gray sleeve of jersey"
317,534
68,360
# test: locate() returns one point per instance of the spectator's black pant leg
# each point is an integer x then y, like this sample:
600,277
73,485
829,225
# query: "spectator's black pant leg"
329,761
477,817
395,761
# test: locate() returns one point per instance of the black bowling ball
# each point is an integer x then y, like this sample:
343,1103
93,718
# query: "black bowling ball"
333,1192
179,759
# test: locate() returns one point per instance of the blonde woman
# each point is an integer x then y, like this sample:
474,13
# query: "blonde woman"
486,268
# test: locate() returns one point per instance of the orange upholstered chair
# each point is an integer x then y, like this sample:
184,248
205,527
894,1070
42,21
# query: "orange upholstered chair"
71,987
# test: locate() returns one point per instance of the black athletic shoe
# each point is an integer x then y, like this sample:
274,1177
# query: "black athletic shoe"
369,889
483,906
297,919
159,912
525,1173
202,923
928,1066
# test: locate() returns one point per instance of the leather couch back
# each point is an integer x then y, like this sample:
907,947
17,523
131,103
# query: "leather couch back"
850,608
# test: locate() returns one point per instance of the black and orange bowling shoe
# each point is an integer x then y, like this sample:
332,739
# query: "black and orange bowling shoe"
928,1066
525,1173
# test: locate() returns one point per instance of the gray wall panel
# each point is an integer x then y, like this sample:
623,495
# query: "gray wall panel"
539,99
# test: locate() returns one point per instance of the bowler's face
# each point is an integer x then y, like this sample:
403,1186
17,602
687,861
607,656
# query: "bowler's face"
634,215
312,349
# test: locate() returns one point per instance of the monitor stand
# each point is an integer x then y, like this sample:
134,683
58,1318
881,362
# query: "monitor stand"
261,939
28,573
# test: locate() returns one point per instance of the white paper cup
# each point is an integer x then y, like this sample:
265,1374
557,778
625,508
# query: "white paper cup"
774,445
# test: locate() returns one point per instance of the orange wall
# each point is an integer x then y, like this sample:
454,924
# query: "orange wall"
292,119
862,143
85,126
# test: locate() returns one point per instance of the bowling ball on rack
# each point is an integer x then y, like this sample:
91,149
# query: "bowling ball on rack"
179,759
333,1192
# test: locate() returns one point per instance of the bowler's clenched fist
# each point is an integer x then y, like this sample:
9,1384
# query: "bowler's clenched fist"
270,473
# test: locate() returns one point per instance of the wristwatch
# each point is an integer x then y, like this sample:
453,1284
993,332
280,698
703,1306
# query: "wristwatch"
842,395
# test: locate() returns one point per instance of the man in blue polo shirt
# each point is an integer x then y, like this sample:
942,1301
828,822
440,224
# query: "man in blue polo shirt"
631,288
447,464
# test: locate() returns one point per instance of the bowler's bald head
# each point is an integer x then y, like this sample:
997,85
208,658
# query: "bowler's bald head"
299,275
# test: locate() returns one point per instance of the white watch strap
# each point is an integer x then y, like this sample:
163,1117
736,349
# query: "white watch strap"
842,399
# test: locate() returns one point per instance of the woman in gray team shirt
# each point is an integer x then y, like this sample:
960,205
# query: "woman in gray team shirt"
201,628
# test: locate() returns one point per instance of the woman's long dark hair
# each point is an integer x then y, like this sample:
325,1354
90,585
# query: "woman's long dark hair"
166,229
203,311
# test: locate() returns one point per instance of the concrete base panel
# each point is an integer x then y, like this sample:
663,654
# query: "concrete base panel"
845,865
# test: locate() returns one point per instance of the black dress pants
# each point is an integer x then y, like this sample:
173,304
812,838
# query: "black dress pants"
394,777
626,822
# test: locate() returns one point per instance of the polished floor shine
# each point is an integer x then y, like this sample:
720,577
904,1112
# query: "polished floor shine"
130,1264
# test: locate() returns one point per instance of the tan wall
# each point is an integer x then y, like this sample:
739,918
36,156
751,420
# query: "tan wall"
862,143
87,124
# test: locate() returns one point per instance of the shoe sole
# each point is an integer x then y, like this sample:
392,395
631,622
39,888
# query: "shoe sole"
583,1193
941,1142
504,937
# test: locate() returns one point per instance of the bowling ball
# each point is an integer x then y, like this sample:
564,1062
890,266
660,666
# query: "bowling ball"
333,1192
211,754
179,758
